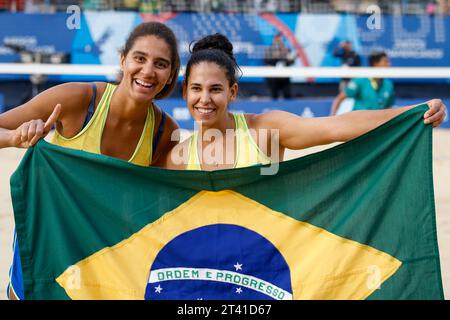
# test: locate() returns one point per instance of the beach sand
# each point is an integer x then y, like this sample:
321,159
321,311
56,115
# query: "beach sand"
10,158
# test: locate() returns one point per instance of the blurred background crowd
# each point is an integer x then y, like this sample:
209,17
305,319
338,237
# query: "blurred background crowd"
244,6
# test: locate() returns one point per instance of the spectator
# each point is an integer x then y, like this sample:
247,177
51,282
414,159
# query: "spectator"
12,5
128,5
217,5
96,5
37,6
278,55
431,8
348,57
150,6
444,7
369,94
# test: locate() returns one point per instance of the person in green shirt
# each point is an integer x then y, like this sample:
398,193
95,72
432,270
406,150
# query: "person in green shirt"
369,93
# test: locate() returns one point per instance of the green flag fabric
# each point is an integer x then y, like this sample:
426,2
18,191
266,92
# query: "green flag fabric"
356,221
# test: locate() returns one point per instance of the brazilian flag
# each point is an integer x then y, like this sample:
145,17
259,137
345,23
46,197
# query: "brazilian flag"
353,222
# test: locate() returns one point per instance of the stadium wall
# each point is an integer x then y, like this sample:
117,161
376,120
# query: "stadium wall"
410,41
307,106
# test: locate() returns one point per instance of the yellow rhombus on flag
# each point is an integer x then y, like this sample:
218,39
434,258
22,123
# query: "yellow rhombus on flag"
322,265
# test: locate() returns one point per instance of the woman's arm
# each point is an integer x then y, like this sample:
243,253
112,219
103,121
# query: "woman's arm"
298,133
29,118
5,138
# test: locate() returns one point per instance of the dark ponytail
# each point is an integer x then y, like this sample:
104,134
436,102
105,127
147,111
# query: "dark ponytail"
215,48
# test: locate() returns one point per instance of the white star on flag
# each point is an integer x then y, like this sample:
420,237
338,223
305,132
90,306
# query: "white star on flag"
238,266
158,289
239,290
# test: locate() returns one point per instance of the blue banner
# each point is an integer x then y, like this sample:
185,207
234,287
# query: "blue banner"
419,41
42,33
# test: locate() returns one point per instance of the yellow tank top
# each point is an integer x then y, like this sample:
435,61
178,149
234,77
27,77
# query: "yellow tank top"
89,138
247,151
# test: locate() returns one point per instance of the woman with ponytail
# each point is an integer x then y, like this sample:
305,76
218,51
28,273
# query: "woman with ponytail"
226,140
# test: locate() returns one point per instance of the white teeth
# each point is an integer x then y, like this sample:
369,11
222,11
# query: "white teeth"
144,84
205,111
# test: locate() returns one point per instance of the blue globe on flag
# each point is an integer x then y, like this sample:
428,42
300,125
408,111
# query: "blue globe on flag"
219,262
